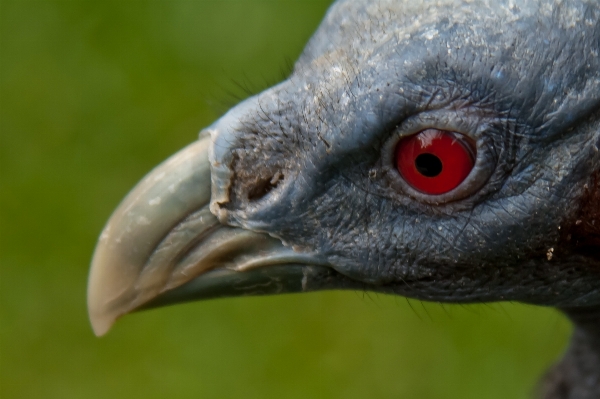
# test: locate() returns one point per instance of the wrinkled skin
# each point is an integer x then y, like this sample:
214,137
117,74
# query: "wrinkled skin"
310,161
518,81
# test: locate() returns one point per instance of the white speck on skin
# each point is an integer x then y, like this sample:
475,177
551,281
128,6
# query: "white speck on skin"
550,253
154,201
431,34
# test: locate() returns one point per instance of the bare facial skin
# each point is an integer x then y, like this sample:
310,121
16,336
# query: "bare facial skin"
297,188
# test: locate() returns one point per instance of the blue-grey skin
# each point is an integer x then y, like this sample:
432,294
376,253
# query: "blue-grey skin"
311,163
522,81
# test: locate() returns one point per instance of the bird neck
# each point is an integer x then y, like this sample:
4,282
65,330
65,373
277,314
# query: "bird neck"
577,375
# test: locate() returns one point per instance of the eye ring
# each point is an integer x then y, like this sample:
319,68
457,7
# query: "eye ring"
472,129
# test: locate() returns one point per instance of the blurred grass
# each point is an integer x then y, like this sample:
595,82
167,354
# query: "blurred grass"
93,94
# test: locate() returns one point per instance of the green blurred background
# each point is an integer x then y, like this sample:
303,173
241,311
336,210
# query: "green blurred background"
93,94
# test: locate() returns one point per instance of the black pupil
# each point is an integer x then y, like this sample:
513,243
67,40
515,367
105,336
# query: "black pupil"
428,165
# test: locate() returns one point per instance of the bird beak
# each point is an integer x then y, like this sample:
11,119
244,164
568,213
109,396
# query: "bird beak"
162,245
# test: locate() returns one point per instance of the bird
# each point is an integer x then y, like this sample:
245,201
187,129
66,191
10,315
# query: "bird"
443,150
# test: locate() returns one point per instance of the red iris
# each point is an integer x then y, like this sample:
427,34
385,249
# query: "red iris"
435,161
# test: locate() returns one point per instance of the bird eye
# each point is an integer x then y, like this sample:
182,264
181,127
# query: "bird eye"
435,161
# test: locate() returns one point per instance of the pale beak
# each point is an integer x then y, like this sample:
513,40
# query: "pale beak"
163,245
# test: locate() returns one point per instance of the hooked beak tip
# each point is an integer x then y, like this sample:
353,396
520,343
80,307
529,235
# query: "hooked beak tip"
163,245
101,324
123,274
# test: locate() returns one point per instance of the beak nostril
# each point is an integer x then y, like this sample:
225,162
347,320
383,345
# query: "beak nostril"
264,186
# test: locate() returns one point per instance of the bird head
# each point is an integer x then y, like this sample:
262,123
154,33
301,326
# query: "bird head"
441,150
